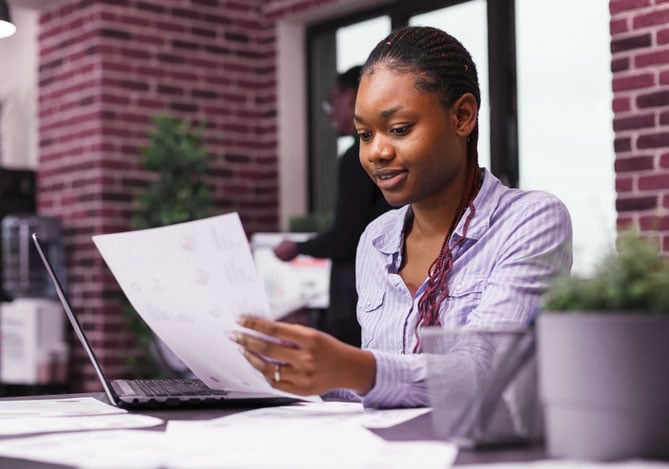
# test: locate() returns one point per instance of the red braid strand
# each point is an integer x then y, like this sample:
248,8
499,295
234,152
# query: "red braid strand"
437,289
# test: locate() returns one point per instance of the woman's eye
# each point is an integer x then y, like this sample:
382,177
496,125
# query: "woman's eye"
400,131
364,136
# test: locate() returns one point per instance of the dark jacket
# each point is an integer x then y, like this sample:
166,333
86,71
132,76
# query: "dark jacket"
358,201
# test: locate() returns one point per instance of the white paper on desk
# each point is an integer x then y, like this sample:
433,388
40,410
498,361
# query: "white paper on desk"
249,446
304,444
317,414
110,449
29,425
58,407
189,282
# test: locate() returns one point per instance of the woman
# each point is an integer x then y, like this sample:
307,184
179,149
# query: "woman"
462,249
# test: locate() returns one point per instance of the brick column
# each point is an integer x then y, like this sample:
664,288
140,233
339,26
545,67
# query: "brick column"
105,68
640,66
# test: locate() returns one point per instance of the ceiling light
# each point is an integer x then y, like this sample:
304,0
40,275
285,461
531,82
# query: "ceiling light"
7,28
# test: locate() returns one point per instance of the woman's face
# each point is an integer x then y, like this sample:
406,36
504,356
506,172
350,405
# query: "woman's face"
411,146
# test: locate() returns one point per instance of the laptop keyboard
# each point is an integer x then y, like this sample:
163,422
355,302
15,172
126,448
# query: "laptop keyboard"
174,387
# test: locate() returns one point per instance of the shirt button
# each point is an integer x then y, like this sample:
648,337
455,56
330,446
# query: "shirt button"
458,287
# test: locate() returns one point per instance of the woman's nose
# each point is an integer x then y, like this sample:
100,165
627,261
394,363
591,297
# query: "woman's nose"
380,149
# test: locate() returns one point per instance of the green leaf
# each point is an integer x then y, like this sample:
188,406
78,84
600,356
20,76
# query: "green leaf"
633,279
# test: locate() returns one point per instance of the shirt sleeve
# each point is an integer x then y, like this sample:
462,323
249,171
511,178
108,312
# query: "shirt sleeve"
536,252
400,381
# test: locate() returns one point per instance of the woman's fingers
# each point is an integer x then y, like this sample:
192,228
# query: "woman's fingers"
277,374
266,349
291,334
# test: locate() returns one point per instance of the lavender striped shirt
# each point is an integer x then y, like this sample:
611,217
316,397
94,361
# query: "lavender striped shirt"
516,243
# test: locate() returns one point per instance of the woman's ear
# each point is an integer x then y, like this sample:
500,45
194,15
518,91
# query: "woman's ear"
465,113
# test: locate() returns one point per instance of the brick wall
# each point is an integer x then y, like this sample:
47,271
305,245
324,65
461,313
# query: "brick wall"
106,67
640,66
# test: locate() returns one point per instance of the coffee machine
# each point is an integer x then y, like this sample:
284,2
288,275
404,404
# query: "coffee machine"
34,351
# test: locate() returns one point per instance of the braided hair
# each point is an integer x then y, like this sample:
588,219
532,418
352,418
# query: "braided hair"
444,67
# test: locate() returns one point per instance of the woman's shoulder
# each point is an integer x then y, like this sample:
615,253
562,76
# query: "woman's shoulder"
522,200
530,208
530,196
498,201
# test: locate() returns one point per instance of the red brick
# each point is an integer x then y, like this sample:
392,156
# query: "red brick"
664,160
634,164
621,104
640,41
620,64
664,117
619,6
654,223
639,121
622,144
654,140
624,184
651,18
652,59
636,204
653,182
663,36
624,222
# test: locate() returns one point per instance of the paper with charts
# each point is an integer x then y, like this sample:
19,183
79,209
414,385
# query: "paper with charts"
189,282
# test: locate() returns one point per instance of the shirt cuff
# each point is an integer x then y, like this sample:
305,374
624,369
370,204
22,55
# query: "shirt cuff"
400,381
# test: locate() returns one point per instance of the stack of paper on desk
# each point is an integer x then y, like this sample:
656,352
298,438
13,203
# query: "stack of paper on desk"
190,282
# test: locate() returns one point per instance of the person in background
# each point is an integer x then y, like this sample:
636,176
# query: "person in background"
462,250
358,202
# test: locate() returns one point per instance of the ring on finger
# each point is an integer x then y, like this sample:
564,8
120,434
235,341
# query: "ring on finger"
277,373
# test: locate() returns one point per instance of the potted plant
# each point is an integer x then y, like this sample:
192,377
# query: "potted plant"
177,158
603,349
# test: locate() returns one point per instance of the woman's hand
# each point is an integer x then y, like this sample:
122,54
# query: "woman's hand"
305,361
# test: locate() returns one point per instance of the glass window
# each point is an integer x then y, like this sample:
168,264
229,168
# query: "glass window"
564,115
354,43
468,23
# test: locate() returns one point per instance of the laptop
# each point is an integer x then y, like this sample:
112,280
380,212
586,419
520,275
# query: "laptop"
137,394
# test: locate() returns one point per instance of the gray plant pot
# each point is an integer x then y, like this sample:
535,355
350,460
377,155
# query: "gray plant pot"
604,384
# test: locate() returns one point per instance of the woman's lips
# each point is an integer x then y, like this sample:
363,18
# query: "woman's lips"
388,179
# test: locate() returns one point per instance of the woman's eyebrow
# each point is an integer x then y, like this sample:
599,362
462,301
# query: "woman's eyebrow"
385,114
389,112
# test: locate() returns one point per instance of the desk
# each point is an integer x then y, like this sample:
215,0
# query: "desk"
419,428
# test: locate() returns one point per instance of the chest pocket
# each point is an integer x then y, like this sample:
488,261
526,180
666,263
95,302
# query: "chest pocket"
463,297
370,307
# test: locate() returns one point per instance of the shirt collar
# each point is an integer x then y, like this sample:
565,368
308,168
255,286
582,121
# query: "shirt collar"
485,203
391,236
